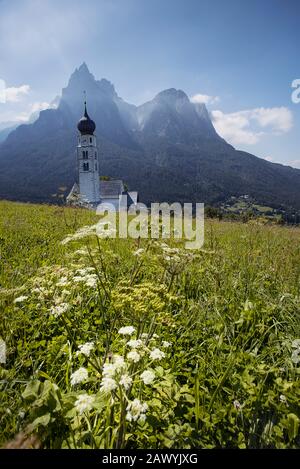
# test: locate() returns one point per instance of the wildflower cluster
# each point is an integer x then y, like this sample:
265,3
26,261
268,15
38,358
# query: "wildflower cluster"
123,376
87,276
100,229
85,349
296,351
83,232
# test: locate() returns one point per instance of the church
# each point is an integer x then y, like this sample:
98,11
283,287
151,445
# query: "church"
90,191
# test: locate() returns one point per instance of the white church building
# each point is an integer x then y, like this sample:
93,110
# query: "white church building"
89,190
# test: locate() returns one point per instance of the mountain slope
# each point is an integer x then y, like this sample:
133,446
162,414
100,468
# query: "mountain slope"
167,149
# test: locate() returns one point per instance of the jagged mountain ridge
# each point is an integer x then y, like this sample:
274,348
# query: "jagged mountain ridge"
167,149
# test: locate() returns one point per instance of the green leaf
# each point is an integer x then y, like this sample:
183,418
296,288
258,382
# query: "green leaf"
43,421
293,426
32,390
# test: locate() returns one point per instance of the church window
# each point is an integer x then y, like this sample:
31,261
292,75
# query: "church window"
91,139
95,155
85,166
85,155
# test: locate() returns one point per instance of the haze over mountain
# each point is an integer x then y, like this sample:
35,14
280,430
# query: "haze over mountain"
167,149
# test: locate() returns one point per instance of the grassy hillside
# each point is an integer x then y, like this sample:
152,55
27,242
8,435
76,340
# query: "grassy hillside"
119,344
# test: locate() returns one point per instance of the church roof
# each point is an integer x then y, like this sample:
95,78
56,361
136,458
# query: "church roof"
73,191
111,189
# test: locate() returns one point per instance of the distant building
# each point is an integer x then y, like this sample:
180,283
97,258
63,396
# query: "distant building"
113,192
90,191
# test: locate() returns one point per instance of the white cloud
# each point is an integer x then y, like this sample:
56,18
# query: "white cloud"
249,126
280,118
293,163
32,109
204,98
269,158
15,94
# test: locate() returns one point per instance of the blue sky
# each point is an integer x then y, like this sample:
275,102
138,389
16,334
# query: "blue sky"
238,56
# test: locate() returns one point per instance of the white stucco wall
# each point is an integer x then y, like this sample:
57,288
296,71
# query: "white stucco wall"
89,185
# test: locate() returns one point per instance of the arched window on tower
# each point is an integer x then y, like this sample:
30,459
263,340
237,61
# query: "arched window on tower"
85,155
95,155
91,139
85,166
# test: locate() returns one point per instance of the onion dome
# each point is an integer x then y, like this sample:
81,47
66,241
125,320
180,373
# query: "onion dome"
86,125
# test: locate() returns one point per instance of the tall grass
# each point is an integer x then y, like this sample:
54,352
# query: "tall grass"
229,376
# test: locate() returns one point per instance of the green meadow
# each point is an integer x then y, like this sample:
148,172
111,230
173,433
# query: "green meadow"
112,343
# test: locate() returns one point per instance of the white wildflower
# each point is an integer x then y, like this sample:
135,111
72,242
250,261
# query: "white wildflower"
59,309
296,344
237,405
282,398
62,282
109,370
20,299
139,252
39,290
296,351
118,361
108,384
135,343
171,251
81,252
166,344
106,233
2,351
78,278
148,376
91,281
85,349
126,381
127,330
79,234
157,354
84,403
296,356
135,410
134,356
85,271
79,376
66,240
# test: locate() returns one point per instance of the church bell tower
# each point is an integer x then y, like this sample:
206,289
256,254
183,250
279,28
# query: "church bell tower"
87,159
